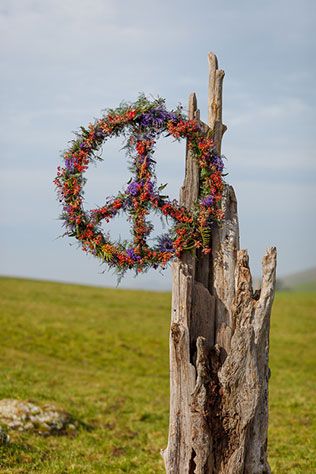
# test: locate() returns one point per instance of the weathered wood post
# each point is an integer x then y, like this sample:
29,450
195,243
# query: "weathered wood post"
219,339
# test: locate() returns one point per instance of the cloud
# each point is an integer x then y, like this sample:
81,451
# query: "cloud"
271,113
65,61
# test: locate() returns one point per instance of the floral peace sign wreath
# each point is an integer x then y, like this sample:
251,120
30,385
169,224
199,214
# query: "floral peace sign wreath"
141,123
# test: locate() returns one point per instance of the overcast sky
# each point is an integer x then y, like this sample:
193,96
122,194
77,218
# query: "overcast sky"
64,61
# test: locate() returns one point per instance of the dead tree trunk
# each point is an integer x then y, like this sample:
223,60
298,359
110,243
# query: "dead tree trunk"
219,339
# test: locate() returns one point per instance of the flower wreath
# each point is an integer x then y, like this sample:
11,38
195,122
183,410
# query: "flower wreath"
141,123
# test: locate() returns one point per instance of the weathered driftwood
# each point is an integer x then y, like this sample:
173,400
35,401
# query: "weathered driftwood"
219,339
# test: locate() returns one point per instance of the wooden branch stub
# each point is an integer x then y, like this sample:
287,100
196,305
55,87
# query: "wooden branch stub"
212,109
215,91
190,189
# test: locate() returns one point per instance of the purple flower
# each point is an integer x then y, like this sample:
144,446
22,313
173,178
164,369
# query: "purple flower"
156,117
133,188
69,164
67,209
150,186
165,243
132,255
218,162
207,201
99,134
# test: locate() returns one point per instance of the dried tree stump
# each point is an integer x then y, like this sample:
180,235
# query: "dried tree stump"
219,339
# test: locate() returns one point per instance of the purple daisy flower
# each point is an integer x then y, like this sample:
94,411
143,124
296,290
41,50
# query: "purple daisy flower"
218,162
132,255
133,188
99,134
67,209
156,117
69,164
150,186
207,201
165,243
84,146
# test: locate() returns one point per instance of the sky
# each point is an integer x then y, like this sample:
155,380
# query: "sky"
65,61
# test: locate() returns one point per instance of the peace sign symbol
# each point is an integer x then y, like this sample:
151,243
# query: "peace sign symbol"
141,123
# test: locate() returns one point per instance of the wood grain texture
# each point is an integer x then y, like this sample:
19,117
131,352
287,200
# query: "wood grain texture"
219,338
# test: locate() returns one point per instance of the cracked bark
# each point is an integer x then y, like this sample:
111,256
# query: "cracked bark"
219,339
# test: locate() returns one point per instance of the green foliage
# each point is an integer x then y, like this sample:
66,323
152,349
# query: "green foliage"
102,355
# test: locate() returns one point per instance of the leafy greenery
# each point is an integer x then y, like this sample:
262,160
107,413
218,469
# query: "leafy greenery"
102,354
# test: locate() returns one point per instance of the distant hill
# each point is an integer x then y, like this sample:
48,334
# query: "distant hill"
304,281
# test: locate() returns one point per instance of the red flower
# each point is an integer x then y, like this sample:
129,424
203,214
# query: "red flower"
117,204
131,114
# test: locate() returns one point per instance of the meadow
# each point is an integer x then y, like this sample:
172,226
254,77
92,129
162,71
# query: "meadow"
102,355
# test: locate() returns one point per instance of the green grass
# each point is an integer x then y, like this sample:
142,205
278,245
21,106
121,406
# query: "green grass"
292,440
307,286
102,355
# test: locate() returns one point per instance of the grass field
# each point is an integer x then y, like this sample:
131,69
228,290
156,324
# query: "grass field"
102,355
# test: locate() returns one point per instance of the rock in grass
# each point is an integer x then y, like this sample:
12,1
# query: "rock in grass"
26,416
